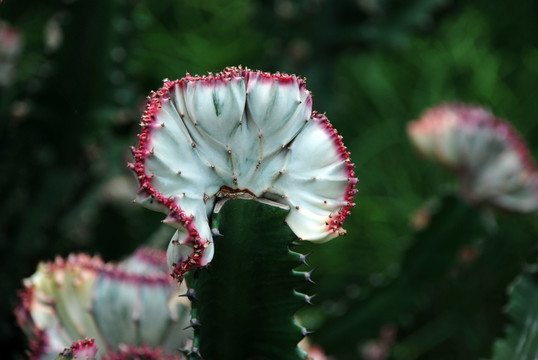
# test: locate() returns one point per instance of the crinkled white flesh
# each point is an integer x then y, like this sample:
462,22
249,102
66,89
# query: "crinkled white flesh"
256,136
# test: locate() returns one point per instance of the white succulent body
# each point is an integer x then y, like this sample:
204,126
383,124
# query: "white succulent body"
240,133
492,162
131,304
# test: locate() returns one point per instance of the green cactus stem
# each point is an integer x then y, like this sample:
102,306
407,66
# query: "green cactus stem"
243,304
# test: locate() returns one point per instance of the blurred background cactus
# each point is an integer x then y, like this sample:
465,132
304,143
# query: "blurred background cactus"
121,307
73,78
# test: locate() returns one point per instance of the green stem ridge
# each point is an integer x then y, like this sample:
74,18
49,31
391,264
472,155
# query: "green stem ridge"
243,305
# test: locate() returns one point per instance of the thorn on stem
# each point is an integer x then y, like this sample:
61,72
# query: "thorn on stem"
190,294
192,352
308,299
216,233
195,323
196,352
308,276
302,258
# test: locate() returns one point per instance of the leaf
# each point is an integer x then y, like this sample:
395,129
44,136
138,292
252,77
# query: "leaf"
521,339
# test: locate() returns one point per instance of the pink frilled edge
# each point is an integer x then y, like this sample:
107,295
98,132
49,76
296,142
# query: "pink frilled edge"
81,349
155,101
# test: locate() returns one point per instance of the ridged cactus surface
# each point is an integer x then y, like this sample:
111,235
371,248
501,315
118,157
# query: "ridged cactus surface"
243,304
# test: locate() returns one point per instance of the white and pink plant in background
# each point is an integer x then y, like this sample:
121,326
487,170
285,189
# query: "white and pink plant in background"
493,165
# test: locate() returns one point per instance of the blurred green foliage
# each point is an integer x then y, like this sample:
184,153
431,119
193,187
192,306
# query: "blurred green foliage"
71,110
521,341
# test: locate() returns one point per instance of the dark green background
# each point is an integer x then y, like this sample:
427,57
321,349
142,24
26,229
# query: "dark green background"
70,113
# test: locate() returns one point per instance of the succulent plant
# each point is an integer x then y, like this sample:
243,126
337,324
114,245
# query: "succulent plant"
493,164
240,155
239,134
121,306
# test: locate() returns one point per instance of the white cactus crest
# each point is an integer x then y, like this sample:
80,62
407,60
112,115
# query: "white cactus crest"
239,133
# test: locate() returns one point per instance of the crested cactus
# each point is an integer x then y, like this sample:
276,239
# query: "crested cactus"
120,306
493,164
243,168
